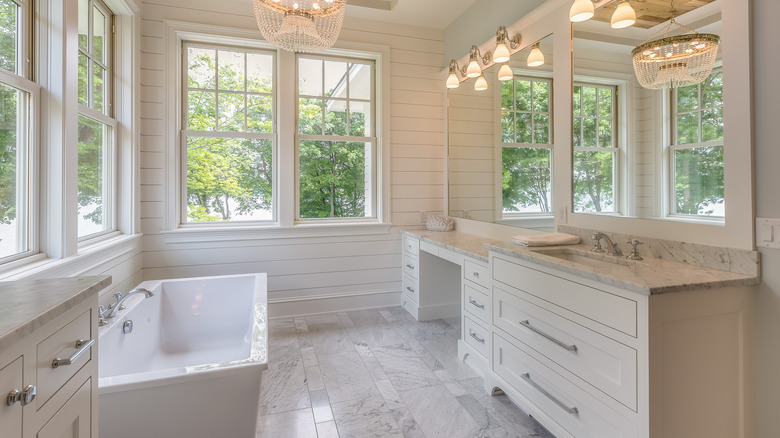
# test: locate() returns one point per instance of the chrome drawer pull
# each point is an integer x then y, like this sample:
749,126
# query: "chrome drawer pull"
410,266
474,303
409,289
528,325
572,410
475,336
82,346
476,274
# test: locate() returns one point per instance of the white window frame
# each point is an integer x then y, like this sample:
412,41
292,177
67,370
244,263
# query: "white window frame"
372,160
211,43
544,217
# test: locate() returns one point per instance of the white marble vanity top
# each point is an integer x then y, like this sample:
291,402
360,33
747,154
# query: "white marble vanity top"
651,276
26,305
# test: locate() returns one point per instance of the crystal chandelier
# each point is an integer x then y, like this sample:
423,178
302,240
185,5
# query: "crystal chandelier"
675,61
300,25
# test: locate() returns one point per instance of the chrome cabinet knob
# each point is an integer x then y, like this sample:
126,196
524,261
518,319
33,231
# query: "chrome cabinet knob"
25,396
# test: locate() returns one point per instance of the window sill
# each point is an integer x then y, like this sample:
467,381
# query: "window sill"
191,234
39,266
531,222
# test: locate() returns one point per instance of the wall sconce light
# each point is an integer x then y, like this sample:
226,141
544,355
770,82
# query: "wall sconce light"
473,70
480,84
536,57
452,79
581,10
502,52
624,15
505,73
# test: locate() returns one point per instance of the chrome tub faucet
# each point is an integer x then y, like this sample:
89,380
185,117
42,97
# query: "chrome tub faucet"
107,312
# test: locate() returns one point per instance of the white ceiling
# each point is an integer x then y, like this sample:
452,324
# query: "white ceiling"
437,14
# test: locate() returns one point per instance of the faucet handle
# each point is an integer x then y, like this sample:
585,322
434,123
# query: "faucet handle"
596,243
634,255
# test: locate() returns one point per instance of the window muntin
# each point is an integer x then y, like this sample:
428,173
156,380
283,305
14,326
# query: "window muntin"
526,134
96,125
696,153
596,150
229,137
337,144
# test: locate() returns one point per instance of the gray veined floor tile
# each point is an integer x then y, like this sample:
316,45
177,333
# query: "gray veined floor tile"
320,405
439,414
283,388
345,376
404,368
303,332
282,341
365,418
445,350
314,378
327,334
327,430
292,424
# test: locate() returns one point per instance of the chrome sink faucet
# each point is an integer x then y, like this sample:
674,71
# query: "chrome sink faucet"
107,312
612,249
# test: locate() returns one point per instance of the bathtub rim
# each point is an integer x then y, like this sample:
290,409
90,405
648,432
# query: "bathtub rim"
257,358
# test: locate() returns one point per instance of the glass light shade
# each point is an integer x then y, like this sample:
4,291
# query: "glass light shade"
452,81
505,73
480,84
624,16
581,10
473,70
501,54
300,25
536,57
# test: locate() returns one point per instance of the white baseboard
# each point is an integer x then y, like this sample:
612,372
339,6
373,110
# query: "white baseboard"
280,308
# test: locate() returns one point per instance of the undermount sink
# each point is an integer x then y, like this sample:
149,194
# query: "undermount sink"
596,260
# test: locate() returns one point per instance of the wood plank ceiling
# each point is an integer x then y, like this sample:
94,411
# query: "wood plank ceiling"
651,12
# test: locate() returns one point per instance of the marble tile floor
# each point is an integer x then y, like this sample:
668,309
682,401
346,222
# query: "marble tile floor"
378,373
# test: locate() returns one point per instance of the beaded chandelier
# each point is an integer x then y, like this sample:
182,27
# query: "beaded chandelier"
675,61
300,25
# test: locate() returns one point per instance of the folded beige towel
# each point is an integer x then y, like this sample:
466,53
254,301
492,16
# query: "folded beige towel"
547,239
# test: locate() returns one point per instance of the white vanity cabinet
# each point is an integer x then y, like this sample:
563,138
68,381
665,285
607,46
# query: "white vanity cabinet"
431,279
52,357
589,359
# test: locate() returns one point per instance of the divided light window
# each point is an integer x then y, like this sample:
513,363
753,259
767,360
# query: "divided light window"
17,100
526,127
336,138
229,133
595,148
96,123
697,149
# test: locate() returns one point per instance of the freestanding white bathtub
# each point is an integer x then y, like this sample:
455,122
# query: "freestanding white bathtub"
191,365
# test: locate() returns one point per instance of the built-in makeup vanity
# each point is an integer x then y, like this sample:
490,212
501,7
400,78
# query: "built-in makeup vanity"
48,357
594,345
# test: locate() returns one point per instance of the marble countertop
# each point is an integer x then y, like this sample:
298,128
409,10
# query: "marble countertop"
27,305
652,276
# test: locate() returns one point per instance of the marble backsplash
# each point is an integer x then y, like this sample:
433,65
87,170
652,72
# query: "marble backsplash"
715,257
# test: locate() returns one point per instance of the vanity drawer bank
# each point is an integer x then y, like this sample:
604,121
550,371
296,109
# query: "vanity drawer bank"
48,360
609,348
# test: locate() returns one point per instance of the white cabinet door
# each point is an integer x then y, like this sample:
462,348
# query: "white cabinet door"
74,419
10,416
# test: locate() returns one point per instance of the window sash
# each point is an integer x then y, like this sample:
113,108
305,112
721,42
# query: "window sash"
549,113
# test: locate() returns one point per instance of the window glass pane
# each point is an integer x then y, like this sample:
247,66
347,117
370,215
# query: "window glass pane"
712,124
335,117
507,127
231,70
83,79
605,133
83,24
594,182
231,112
688,98
589,101
523,127
688,128
507,95
98,35
360,118
526,180
522,95
541,96
605,102
94,138
335,79
360,81
310,116
712,90
698,185
577,132
259,70
259,114
201,111
589,132
98,87
309,77
332,180
9,33
577,100
202,65
14,214
541,129
229,179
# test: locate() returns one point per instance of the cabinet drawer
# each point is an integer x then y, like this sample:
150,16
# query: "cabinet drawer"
600,306
62,344
411,265
411,245
411,288
476,336
604,363
568,405
476,302
477,273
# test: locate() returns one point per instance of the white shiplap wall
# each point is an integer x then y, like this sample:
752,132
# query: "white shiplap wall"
311,274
